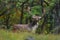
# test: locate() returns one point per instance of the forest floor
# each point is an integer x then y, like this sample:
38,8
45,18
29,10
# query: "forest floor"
9,35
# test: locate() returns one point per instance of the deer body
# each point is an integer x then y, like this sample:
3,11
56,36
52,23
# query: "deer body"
29,27
21,27
25,27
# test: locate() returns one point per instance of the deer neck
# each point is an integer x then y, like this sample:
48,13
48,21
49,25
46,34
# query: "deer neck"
35,27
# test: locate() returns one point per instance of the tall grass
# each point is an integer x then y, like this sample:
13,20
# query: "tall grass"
9,35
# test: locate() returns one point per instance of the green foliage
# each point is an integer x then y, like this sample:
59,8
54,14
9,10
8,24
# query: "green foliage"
36,10
15,16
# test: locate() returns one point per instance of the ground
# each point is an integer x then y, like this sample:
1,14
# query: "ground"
9,35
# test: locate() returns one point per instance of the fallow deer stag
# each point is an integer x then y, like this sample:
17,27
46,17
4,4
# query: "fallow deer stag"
28,27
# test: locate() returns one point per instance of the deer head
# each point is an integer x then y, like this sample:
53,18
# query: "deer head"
36,17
